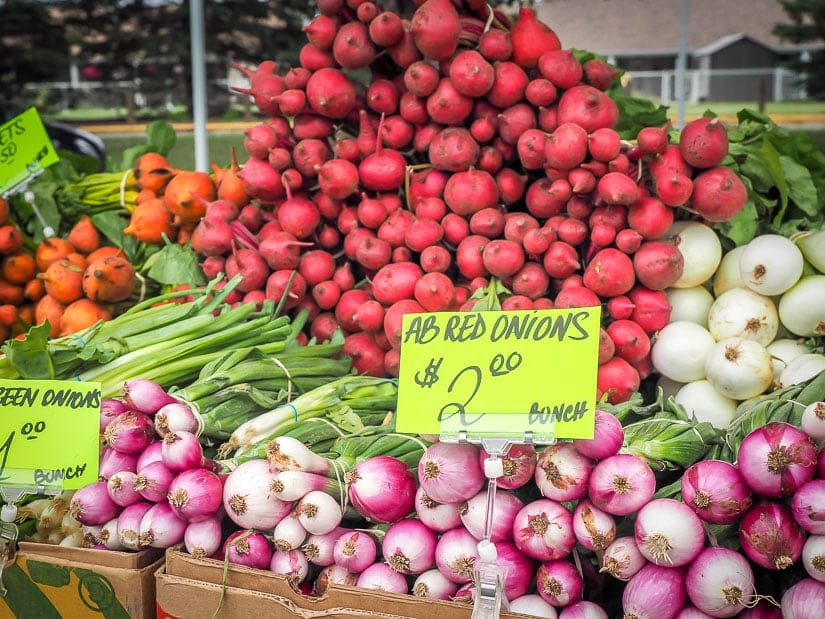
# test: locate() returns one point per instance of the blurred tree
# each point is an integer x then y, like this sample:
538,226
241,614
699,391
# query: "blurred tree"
807,26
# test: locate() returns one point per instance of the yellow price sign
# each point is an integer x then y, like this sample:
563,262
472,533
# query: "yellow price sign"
25,149
49,433
499,372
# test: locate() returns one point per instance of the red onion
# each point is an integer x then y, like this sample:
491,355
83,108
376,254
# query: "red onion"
820,464
716,491
152,453
91,535
583,609
289,533
153,481
181,451
519,569
195,494
291,563
770,536
113,461
543,530
607,438
808,506
382,577
474,515
293,485
109,536
622,558
763,610
562,472
319,548
813,421
332,575
655,592
621,484
109,409
203,539
438,516
160,527
691,612
128,525
465,593
434,585
248,548
129,432
594,528
408,546
456,554
174,417
668,532
92,505
719,582
535,605
519,465
382,489
355,551
559,582
776,459
121,488
813,557
145,395
247,499
451,472
318,512
804,600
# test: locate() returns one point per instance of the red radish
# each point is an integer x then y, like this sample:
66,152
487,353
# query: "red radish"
602,235
471,74
446,105
517,302
321,31
212,266
413,109
330,93
435,258
588,107
308,155
658,264
405,52
338,178
573,231
531,149
483,129
577,207
618,380
604,144
566,147
367,136
386,29
511,185
395,281
631,341
261,180
670,159
531,38
397,133
393,318
212,236
599,74
323,326
298,215
650,217
580,180
278,287
326,294
430,208
366,12
609,273
704,142
651,308
263,88
531,281
468,256
576,296
718,194
395,226
673,189
617,188
422,233
539,200
561,67
628,240
421,78
426,183
373,253
258,140
435,292
453,150
371,212
502,258
435,29
424,135
280,158
313,59
548,118
509,86
537,241
316,265
540,92
470,191
611,215
515,120
251,266
653,140
353,48
456,228
353,239
561,260
517,224
401,254
606,347
347,305
367,356
382,170
369,316
491,159
281,250
495,45
291,102
328,237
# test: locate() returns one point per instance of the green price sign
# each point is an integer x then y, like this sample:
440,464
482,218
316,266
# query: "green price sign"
25,149
49,433
499,372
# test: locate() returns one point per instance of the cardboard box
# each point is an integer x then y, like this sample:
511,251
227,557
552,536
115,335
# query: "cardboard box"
189,588
52,581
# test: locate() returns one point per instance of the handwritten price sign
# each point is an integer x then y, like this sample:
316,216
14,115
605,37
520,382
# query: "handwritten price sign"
25,149
499,372
49,433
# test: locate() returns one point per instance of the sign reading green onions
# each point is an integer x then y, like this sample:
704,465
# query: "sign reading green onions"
499,372
49,433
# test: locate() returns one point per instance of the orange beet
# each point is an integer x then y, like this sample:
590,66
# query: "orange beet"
84,236
64,279
81,314
150,221
34,289
11,239
11,293
51,250
152,171
18,268
49,308
180,195
109,280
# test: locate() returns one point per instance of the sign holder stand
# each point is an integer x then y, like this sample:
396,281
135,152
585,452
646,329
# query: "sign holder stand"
489,576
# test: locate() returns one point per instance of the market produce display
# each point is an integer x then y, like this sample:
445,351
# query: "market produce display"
448,158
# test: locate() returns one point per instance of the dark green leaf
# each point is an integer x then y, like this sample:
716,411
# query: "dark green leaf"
801,189
160,137
745,115
742,228
758,170
30,356
174,264
111,225
131,154
636,113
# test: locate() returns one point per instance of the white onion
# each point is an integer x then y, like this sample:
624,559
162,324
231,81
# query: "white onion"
813,421
802,307
690,304
741,312
770,264
739,368
813,557
727,275
701,248
534,605
702,400
812,246
783,351
680,351
802,368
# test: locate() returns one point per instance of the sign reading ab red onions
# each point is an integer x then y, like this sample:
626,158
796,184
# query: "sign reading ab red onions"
49,433
499,372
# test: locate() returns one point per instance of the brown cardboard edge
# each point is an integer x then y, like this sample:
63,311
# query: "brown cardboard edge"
102,558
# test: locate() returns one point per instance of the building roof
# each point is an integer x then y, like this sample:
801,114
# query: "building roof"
651,27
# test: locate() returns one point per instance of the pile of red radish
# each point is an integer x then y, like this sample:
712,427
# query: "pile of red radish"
409,162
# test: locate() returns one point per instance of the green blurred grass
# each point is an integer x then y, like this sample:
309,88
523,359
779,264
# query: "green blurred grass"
182,154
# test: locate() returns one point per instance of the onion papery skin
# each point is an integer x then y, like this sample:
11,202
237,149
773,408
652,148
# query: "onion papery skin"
804,600
808,506
621,484
382,489
720,582
543,530
562,472
583,609
474,513
594,529
655,592
770,537
519,465
716,491
290,563
622,558
776,459
450,472
607,437
559,582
